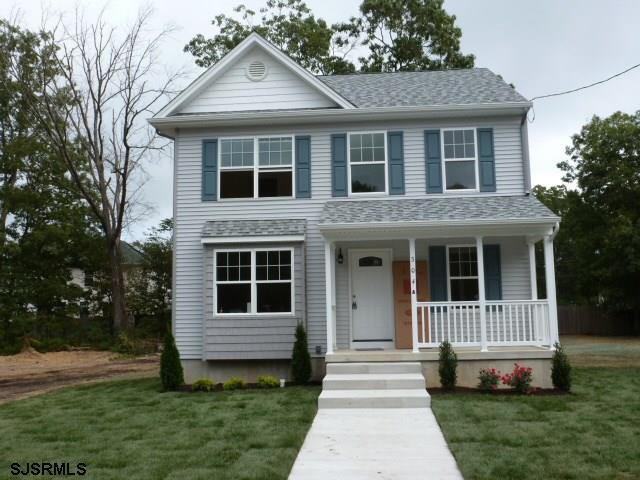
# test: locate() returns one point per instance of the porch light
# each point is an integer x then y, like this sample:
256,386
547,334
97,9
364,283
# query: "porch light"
340,257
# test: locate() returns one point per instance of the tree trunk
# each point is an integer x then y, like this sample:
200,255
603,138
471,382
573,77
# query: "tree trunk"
118,298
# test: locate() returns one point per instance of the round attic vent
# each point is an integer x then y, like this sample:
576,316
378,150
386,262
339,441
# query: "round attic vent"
256,70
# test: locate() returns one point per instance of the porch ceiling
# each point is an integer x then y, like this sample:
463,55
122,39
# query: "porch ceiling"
485,215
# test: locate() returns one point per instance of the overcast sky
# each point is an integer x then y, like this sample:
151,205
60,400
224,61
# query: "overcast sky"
540,46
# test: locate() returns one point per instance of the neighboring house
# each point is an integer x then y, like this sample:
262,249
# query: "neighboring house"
387,212
131,260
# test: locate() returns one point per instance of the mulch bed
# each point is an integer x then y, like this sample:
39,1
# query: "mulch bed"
501,391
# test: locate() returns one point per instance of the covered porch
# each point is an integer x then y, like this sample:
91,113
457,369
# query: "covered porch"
402,276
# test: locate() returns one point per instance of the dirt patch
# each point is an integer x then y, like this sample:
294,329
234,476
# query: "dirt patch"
32,373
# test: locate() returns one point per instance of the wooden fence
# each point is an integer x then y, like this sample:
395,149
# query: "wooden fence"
588,320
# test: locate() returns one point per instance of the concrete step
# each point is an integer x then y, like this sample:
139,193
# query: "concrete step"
373,381
374,367
411,398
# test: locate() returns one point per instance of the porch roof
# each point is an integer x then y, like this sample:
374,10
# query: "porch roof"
412,213
254,228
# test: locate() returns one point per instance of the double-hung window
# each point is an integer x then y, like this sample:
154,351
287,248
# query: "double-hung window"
367,163
463,273
460,159
256,167
256,281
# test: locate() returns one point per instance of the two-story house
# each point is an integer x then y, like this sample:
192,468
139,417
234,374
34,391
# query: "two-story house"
387,212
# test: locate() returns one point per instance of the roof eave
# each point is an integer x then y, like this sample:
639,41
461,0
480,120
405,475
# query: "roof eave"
331,115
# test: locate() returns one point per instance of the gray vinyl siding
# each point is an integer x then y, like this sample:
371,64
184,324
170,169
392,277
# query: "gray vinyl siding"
251,337
191,213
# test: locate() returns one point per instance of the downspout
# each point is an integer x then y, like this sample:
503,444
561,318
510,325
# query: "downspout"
556,229
526,164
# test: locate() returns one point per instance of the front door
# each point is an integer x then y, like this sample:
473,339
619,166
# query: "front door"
371,299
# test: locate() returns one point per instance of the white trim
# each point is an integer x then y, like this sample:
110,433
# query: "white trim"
385,163
360,344
482,298
253,282
414,295
467,159
256,239
217,69
533,277
329,247
257,168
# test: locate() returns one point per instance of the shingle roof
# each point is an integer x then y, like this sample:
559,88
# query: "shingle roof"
481,208
130,254
441,87
252,228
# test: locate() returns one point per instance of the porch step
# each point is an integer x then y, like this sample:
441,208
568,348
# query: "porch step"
374,385
373,367
410,398
373,381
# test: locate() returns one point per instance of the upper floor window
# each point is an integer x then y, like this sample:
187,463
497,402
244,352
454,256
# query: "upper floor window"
460,159
463,273
241,176
367,163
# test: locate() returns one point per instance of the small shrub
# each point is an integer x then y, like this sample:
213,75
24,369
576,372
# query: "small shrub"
171,373
520,379
489,379
268,381
561,369
234,383
203,385
300,359
447,365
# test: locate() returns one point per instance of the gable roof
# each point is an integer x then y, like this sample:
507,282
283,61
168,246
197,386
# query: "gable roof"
424,88
254,39
130,254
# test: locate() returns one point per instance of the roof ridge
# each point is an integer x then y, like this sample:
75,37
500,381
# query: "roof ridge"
443,70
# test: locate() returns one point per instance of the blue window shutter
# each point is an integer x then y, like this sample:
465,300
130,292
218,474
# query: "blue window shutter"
438,273
339,164
303,167
209,170
433,161
486,160
396,163
492,272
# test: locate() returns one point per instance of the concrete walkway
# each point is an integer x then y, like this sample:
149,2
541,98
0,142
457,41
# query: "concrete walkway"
370,443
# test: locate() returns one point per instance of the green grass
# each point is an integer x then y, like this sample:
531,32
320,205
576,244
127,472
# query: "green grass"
128,429
592,433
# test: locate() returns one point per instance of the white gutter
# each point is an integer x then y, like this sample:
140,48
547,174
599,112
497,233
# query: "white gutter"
336,114
556,229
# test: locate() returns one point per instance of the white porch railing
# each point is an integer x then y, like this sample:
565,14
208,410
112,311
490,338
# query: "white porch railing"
516,322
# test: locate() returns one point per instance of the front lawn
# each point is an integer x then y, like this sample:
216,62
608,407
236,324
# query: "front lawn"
129,430
591,434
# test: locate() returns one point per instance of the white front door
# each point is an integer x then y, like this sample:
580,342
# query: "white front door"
371,299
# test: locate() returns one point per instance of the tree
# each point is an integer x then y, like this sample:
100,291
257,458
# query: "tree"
110,81
300,359
171,373
149,285
604,162
406,35
288,24
398,34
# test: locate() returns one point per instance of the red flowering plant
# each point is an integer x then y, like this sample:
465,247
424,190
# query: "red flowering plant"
489,379
520,379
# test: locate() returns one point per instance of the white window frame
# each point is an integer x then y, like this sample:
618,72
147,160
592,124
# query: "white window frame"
254,283
457,277
466,159
386,164
256,167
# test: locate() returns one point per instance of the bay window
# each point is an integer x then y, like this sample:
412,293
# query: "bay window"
367,163
242,176
253,281
463,273
460,159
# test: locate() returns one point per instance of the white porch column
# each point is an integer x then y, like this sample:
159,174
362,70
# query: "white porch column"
329,258
550,277
533,278
414,295
481,295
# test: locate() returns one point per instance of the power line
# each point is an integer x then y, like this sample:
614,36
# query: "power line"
586,86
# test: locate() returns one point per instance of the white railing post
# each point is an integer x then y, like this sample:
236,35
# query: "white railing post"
533,277
414,295
329,255
481,295
550,277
